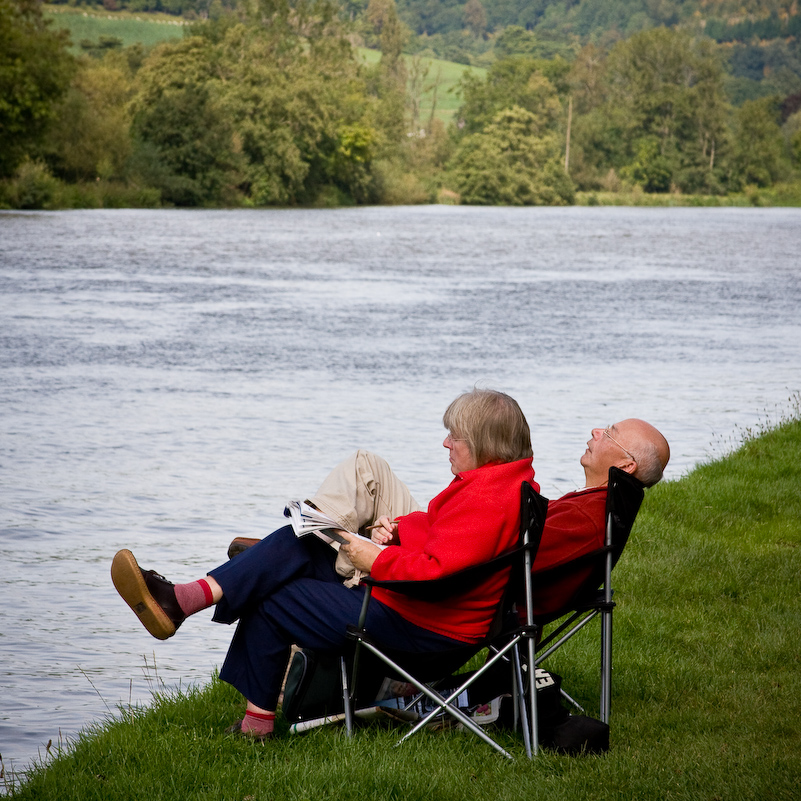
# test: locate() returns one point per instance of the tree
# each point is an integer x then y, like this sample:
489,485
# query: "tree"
297,127
668,88
183,138
516,81
792,131
264,116
475,17
389,77
586,79
35,71
515,40
513,161
90,134
760,146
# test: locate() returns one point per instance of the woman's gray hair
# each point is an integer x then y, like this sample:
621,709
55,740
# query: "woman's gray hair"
492,424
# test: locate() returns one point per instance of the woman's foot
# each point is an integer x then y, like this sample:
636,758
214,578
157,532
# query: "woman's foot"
150,595
258,727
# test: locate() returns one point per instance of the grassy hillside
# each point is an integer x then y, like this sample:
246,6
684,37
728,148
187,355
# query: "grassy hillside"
439,81
706,696
147,29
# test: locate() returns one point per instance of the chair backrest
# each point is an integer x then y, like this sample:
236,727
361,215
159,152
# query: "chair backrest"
623,500
589,571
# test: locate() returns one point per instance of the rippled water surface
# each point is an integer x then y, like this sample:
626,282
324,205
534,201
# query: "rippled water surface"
169,378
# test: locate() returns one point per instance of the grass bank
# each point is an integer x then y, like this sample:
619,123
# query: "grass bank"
707,685
787,194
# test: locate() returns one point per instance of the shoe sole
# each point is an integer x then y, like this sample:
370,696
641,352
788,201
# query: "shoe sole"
130,584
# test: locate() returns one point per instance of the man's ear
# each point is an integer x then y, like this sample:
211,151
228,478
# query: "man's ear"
629,466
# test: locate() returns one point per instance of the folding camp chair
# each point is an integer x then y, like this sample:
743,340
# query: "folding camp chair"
594,595
422,670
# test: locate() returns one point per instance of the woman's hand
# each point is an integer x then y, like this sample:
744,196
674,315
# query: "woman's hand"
360,552
385,531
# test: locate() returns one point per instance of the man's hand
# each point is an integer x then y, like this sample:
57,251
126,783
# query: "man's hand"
360,552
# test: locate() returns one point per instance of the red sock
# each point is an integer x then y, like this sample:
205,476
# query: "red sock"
194,596
259,723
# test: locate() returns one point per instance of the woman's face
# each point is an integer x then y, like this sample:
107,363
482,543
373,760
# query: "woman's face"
461,458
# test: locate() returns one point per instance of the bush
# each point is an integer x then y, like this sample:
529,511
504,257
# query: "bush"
511,163
395,186
32,187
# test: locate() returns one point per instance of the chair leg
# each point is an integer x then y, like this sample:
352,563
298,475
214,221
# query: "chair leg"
606,665
440,701
572,701
532,684
347,701
521,711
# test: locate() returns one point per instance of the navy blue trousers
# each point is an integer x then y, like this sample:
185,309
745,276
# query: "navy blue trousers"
285,591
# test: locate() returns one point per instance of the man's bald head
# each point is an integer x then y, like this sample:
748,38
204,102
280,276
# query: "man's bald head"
632,445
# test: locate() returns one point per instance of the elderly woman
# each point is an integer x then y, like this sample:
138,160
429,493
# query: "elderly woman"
285,590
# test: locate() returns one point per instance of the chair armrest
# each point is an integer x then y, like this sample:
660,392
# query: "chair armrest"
439,589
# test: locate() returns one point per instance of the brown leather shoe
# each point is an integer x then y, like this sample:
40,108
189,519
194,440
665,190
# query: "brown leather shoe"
239,544
150,595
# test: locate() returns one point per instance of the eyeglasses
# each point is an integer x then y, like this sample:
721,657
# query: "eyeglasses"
452,439
609,436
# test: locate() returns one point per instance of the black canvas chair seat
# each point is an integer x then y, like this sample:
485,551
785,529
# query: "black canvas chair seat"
423,670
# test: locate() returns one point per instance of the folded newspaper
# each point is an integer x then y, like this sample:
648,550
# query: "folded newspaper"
306,519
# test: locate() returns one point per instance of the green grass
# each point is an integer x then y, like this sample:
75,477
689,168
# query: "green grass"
706,698
784,194
439,85
146,29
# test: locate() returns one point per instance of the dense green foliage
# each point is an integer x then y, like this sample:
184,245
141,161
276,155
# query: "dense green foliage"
35,71
270,107
706,691
652,112
273,118
763,37
660,115
271,104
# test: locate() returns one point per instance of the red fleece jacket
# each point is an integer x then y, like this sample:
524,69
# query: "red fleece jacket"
474,519
575,525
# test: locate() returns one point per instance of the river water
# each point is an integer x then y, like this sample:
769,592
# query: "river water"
170,378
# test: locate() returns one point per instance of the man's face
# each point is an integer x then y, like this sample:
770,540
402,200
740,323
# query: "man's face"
608,447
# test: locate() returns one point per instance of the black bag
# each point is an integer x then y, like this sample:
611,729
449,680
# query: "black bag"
579,734
313,687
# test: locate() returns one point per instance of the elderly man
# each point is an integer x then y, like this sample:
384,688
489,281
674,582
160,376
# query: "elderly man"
576,523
